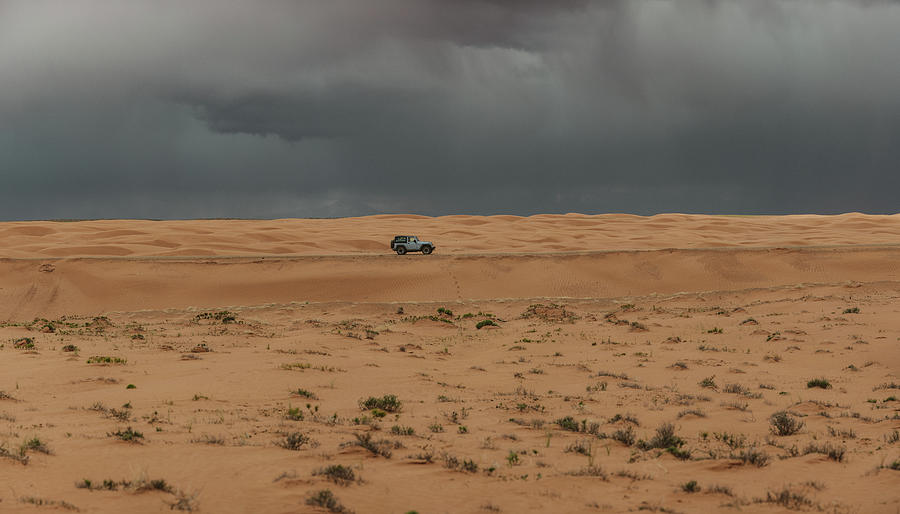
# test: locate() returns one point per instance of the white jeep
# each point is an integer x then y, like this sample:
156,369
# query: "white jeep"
403,244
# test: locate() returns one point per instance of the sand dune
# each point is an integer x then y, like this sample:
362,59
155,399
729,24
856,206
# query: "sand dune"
454,235
222,366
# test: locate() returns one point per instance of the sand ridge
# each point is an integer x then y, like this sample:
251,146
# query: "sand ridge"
452,234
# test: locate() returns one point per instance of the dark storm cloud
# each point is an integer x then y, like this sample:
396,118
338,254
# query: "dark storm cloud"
309,108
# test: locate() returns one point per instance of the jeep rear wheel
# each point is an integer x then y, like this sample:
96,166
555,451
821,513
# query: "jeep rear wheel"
426,249
401,250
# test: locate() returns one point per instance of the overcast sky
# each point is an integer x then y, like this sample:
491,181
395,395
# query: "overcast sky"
278,108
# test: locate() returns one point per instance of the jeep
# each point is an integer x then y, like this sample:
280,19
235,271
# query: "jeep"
403,244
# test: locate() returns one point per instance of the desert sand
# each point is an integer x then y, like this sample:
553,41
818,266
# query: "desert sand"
675,363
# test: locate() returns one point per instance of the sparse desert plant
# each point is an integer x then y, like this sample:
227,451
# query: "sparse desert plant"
664,438
625,436
789,499
754,456
589,471
708,382
104,359
436,428
382,447
627,418
582,447
387,403
692,412
70,348
129,435
485,323
784,423
293,414
835,453
210,439
35,445
293,441
400,430
690,487
17,455
568,423
306,394
818,382
24,343
337,473
851,310
894,465
327,500
735,389
893,437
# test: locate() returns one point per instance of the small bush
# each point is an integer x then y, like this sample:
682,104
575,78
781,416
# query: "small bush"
754,456
783,423
690,487
294,414
387,403
835,453
35,445
818,382
788,499
708,382
326,500
128,435
306,394
624,436
851,310
337,473
293,441
382,448
102,359
485,323
665,438
399,430
568,423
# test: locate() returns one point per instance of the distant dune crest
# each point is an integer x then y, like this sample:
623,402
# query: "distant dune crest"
457,234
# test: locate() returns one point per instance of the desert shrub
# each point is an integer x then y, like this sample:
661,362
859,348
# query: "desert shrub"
128,435
624,436
485,323
399,430
665,438
568,423
35,445
382,447
103,359
851,310
708,382
783,423
788,499
835,453
582,447
690,487
293,441
306,394
818,382
387,403
754,456
327,500
337,473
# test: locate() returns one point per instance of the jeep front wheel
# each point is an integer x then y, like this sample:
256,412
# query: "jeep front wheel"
401,250
426,250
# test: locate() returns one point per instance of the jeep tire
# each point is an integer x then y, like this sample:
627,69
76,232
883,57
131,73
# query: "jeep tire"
401,250
426,249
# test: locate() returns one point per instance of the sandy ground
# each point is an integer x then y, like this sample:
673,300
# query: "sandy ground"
223,366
